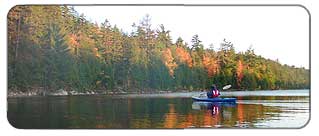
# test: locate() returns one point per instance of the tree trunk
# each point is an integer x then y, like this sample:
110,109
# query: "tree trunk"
18,38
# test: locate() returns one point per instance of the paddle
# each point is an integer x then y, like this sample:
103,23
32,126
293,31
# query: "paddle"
226,87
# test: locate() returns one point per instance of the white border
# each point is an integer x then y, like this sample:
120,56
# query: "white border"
311,5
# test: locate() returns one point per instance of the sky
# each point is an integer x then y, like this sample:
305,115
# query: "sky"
273,32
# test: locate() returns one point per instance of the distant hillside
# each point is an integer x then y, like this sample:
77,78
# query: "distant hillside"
52,47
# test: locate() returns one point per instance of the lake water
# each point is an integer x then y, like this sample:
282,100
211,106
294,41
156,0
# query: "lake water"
254,109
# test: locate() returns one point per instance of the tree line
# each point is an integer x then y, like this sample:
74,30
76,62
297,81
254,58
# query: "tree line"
53,47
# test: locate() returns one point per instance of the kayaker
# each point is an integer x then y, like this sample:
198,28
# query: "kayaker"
214,92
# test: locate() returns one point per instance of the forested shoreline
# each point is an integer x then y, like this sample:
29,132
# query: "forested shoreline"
53,47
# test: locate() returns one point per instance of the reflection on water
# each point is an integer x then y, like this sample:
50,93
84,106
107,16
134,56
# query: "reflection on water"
213,107
157,112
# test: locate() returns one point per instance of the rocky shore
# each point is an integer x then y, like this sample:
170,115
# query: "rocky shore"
59,92
62,92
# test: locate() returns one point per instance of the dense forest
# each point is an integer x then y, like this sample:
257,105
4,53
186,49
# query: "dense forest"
53,47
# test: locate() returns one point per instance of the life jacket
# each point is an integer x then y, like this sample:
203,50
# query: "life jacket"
215,93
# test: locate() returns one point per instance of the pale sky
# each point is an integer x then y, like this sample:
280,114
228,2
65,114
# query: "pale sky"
273,32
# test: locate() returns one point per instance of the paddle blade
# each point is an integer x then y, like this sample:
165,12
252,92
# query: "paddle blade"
226,87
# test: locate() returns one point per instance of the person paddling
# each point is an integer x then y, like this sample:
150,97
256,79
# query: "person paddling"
214,92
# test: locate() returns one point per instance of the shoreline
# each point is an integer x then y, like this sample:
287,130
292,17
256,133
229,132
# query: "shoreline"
61,92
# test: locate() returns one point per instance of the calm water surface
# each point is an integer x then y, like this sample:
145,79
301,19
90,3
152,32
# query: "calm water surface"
254,109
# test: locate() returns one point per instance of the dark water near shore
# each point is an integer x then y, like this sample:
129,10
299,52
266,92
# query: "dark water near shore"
254,109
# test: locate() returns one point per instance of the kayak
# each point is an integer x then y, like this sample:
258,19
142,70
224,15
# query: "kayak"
214,99
205,99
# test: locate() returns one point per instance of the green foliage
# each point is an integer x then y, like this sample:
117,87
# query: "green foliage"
54,47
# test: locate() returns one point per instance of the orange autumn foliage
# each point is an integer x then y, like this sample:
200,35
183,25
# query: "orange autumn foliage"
169,61
210,64
183,56
95,51
239,71
73,40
